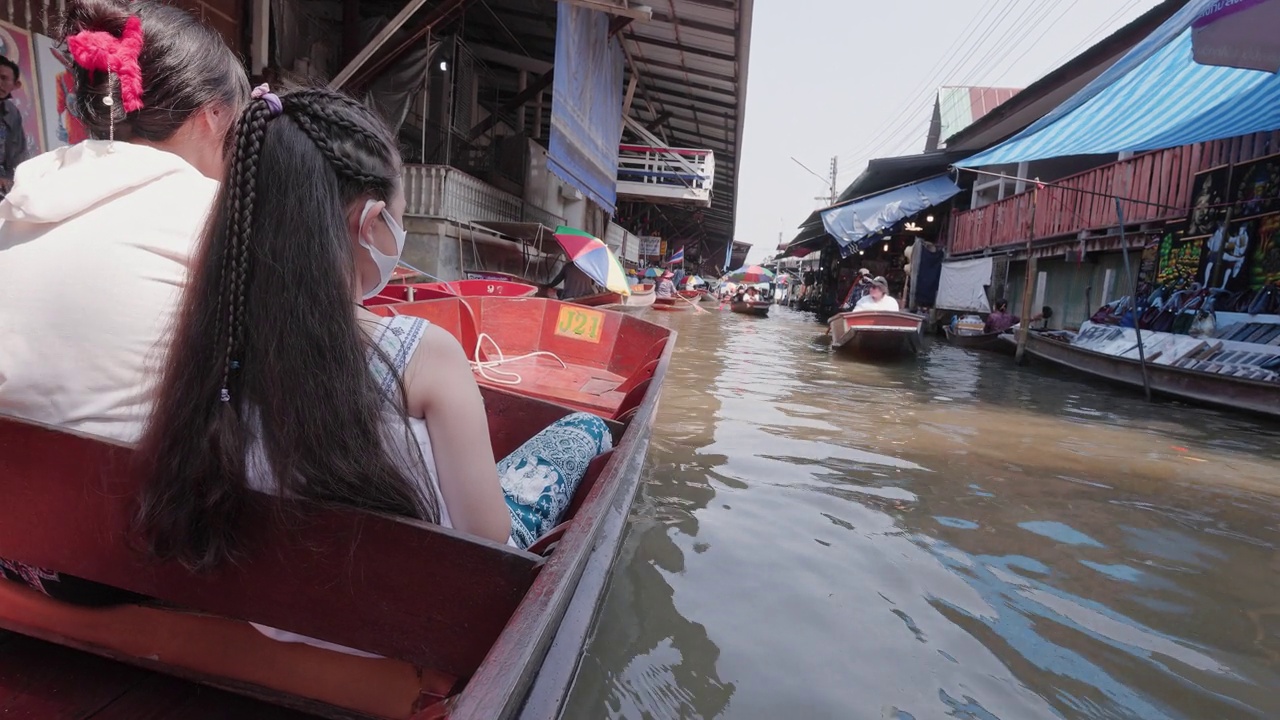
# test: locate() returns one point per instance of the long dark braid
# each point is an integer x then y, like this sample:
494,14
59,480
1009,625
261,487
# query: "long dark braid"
268,355
241,195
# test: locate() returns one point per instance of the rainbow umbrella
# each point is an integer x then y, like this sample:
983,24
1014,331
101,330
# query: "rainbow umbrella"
751,274
652,272
594,258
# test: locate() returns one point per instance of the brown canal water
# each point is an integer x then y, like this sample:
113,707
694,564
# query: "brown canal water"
945,537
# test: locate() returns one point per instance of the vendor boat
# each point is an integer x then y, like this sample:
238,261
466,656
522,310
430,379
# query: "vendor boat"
758,308
1215,386
451,625
876,332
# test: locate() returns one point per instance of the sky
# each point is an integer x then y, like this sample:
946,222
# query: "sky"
858,79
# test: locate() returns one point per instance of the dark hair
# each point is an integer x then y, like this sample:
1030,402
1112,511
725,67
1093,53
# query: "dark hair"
1001,303
6,62
268,348
185,67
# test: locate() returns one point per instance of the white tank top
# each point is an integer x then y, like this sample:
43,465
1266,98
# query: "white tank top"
398,338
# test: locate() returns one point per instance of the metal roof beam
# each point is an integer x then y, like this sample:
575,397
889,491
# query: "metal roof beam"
669,45
662,64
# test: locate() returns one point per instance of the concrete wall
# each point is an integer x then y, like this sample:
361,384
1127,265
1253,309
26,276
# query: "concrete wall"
543,189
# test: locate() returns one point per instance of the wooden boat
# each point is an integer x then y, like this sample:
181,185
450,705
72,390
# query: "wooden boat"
1197,386
876,332
410,292
465,628
758,308
641,297
691,294
675,303
980,341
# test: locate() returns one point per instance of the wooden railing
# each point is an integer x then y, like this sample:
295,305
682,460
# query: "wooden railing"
665,174
1157,184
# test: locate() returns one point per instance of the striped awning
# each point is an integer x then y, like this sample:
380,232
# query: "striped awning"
1158,95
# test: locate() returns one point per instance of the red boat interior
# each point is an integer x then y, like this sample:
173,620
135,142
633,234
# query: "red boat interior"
430,601
597,361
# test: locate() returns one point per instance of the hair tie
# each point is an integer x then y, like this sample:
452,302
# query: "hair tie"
263,93
96,50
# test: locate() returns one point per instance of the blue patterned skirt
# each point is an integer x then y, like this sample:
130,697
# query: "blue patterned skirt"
539,478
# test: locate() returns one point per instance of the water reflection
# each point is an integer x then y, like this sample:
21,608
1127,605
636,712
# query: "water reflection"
948,537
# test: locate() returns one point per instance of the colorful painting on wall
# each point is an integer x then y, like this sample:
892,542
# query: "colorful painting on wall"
1264,262
1179,259
15,44
1256,188
57,94
1209,199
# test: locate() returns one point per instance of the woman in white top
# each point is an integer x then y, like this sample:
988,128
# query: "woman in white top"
95,238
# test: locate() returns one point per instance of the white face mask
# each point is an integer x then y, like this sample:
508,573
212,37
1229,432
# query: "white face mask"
386,263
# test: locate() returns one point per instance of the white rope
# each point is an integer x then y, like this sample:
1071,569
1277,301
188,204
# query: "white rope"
488,368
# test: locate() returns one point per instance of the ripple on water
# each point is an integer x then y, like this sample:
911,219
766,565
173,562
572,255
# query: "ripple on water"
950,537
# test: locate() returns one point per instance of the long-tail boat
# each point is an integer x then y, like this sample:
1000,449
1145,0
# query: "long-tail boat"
876,332
452,626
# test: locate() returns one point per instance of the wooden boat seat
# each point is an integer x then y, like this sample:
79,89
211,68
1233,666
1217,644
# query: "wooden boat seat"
430,600
201,646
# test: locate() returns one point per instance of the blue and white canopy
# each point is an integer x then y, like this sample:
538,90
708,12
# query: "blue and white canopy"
854,224
1163,93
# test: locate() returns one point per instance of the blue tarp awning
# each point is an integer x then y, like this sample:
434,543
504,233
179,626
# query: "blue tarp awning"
1156,96
853,224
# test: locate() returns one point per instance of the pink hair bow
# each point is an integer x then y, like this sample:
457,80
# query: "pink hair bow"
96,50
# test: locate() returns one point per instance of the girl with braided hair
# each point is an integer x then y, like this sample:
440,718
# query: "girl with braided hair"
280,381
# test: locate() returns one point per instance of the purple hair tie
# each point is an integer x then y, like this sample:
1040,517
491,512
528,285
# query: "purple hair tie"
263,93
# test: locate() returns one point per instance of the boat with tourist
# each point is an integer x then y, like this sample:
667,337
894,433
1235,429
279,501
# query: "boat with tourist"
877,332
443,623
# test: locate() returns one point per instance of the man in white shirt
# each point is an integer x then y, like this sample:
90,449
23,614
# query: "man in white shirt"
877,298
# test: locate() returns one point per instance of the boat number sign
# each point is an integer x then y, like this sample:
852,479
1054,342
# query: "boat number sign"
580,323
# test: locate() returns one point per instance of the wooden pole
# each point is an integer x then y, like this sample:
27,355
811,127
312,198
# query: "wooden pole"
1024,328
1133,301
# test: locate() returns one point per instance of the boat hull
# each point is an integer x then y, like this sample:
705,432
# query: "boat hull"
985,341
758,309
1254,396
888,334
414,292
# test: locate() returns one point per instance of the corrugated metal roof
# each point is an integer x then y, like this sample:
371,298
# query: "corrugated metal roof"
692,59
